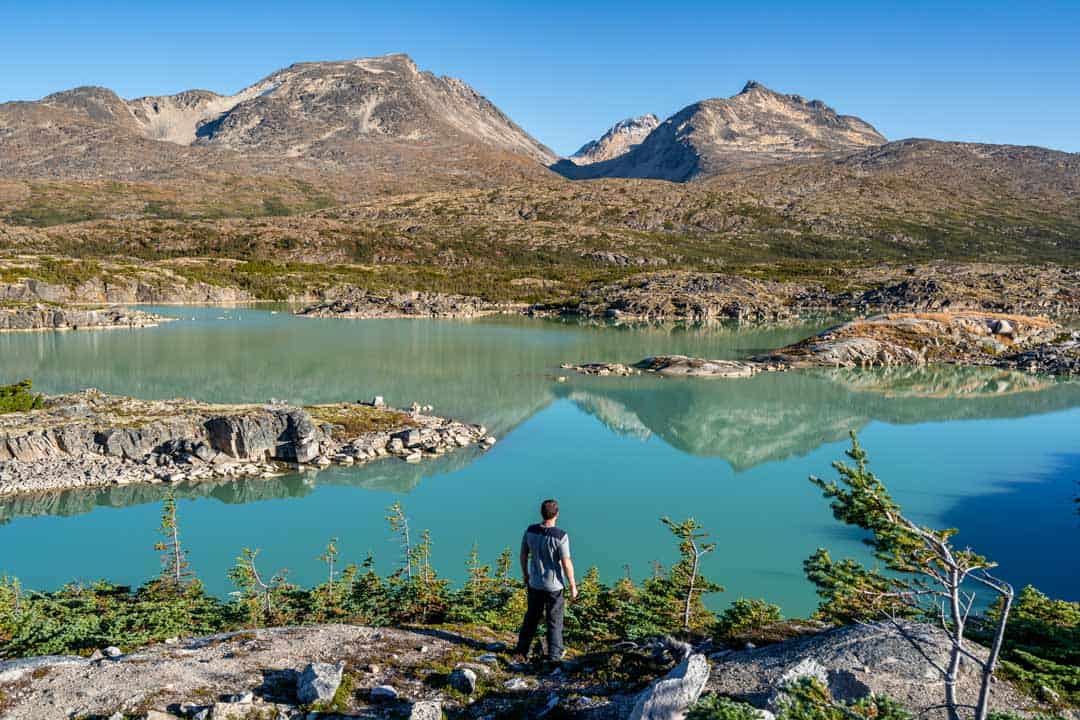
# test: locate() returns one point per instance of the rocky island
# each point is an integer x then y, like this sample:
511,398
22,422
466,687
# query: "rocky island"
90,438
41,316
355,302
1011,342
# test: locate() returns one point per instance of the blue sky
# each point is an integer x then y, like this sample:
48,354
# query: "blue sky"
989,71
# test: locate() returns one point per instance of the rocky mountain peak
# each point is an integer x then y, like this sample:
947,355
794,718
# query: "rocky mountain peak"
757,126
619,139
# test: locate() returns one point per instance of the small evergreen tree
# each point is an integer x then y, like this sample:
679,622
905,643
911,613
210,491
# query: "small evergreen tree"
370,597
685,577
258,598
175,570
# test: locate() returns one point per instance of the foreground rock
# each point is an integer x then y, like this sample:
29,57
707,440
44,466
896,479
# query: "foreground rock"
38,316
354,302
391,673
92,439
673,366
854,662
961,338
669,697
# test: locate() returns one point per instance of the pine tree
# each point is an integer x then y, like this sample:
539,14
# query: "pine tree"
258,597
926,573
686,578
175,571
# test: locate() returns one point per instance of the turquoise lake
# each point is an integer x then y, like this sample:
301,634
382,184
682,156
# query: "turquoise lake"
993,453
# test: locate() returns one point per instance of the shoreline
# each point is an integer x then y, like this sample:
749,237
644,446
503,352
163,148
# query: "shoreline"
91,439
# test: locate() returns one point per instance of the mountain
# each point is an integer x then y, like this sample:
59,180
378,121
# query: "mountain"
755,127
619,139
380,113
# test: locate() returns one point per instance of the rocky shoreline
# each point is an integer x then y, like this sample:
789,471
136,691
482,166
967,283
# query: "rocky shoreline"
38,316
354,302
349,671
1009,342
717,297
92,439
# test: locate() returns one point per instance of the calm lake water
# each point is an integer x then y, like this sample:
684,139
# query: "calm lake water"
995,454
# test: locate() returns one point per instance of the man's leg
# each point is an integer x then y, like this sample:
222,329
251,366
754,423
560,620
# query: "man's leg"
554,606
533,612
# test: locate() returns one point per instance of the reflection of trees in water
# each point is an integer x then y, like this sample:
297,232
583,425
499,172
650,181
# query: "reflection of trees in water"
772,416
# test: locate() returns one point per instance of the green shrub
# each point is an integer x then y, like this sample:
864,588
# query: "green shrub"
746,616
19,398
717,707
809,699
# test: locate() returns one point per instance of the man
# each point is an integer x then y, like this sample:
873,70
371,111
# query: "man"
547,570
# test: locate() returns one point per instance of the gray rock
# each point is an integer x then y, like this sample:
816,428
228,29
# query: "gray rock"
669,697
463,680
516,684
112,651
318,682
245,697
383,692
426,710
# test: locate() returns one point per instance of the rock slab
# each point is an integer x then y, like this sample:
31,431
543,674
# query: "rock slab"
669,697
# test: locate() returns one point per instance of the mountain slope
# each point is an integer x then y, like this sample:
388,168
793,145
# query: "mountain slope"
378,113
756,127
619,139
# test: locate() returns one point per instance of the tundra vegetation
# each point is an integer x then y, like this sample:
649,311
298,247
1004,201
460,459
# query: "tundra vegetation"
1034,641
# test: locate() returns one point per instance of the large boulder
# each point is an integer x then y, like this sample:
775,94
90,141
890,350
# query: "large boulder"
319,682
670,696
854,662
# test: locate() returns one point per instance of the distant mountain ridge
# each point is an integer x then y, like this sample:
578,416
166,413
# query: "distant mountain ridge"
755,127
619,139
381,111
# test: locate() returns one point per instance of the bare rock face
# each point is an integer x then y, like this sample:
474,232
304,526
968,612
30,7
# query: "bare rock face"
620,138
913,339
755,127
354,302
683,366
669,697
854,662
91,439
53,317
318,682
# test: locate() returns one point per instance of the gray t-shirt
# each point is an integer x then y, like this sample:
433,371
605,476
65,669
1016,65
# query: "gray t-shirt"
547,547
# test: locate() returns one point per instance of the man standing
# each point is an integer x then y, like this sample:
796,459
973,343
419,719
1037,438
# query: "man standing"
547,569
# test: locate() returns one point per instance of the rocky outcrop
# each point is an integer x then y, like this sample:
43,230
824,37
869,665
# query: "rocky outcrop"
854,662
162,287
54,317
694,297
939,287
354,302
669,697
93,439
914,339
674,366
397,673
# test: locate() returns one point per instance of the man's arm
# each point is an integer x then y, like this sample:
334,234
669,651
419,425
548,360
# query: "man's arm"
524,558
568,568
568,565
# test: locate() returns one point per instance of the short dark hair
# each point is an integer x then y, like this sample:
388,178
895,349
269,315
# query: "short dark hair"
549,509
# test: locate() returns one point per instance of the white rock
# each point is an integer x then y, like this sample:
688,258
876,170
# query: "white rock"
426,710
670,696
319,682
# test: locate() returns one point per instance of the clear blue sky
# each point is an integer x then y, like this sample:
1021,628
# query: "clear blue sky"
983,71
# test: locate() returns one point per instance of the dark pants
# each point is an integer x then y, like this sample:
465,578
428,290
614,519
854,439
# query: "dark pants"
549,605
